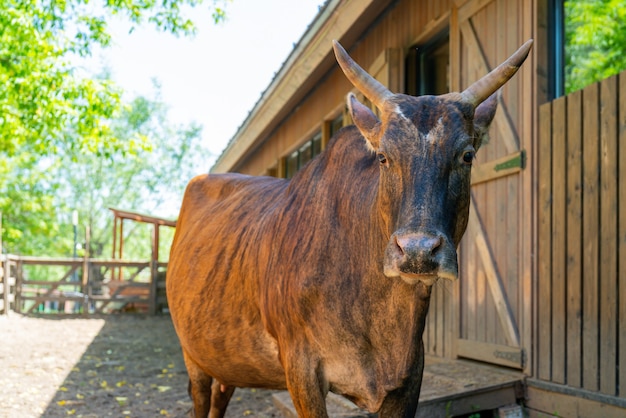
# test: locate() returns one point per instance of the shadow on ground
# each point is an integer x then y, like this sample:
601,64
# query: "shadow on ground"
133,367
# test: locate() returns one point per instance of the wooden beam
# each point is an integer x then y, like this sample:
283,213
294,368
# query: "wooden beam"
470,8
503,355
500,167
493,279
508,134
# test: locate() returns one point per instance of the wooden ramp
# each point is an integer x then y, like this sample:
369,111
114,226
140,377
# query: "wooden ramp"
450,388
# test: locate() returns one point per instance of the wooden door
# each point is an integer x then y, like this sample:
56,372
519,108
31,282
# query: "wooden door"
490,293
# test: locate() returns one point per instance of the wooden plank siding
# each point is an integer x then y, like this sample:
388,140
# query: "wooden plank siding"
581,283
495,280
401,25
494,299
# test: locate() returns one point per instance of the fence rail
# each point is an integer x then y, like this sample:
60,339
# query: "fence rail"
581,291
81,286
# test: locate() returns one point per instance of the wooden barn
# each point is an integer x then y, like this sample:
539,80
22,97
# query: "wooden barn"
542,290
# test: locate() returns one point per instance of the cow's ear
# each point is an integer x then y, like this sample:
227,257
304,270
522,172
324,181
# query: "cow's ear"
483,116
365,120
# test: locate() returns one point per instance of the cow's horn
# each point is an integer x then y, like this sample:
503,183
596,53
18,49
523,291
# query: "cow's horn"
365,83
486,86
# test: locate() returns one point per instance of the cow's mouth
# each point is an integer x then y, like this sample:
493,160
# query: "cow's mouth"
420,257
427,279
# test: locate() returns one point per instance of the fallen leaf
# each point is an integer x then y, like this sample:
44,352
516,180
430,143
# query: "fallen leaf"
71,412
62,402
163,388
63,389
120,383
79,396
164,412
121,400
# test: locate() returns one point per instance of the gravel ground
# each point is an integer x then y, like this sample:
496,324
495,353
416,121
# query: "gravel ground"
114,366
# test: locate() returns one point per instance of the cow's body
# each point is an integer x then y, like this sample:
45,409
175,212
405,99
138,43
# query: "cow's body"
293,261
322,283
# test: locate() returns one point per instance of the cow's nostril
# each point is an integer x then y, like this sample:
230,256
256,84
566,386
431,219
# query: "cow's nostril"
399,247
418,245
436,245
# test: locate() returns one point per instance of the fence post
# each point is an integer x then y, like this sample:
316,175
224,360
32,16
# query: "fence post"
86,270
4,278
19,273
154,271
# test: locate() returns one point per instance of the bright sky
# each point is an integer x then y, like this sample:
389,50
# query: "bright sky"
215,78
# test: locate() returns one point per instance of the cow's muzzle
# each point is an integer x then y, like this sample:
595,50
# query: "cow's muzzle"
420,257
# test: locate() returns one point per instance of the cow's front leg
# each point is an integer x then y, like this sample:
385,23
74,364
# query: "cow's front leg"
305,383
220,396
403,401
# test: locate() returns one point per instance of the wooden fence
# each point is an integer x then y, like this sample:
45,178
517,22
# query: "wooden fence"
7,286
581,289
85,286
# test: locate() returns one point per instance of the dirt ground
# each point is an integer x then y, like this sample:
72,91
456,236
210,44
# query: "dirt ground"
114,366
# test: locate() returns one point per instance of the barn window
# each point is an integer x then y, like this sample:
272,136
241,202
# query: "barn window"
297,159
587,41
335,125
427,67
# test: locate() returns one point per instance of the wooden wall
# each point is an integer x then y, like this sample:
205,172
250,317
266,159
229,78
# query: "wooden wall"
581,283
489,308
396,30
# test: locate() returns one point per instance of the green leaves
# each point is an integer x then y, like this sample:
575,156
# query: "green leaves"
52,117
595,32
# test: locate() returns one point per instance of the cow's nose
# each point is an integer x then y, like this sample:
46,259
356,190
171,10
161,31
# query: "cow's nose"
419,246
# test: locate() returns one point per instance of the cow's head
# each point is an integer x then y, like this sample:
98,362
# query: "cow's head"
425,147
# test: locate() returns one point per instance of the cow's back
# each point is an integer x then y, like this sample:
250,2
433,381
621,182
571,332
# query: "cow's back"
212,281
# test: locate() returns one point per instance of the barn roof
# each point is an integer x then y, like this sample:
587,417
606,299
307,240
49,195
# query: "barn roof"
309,61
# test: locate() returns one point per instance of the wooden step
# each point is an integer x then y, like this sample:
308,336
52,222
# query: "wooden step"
449,388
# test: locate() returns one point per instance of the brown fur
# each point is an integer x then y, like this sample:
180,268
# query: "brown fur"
278,284
322,283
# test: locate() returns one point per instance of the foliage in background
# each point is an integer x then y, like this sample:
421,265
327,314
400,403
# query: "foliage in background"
149,180
595,41
52,118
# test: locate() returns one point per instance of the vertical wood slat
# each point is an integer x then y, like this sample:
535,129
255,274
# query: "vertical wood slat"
591,203
574,231
622,233
559,240
544,250
581,291
608,235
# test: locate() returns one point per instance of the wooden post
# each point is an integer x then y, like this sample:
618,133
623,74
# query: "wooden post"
86,269
154,270
4,276
18,285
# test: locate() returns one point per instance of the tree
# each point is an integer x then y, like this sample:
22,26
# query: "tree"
48,113
595,39
148,178
41,96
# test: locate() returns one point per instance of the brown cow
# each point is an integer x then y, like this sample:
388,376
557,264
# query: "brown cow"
322,283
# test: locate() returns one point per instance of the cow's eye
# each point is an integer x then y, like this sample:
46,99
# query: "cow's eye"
382,158
468,157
